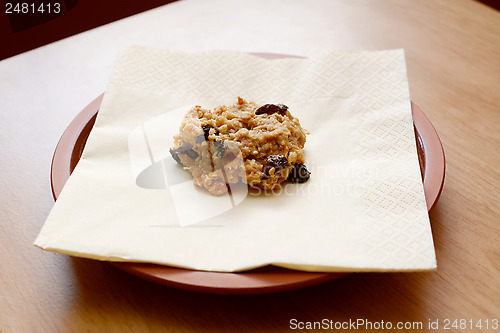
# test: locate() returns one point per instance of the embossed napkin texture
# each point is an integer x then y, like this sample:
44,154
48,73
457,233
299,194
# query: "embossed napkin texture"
362,210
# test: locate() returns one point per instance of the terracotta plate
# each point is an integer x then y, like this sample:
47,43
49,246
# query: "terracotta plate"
262,280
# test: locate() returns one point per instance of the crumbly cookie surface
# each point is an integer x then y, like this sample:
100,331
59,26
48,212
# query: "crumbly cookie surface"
259,145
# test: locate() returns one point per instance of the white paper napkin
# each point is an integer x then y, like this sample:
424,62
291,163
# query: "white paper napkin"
362,210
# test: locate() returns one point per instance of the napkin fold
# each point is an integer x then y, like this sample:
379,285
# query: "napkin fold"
363,208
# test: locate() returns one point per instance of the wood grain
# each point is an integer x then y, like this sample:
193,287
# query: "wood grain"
453,58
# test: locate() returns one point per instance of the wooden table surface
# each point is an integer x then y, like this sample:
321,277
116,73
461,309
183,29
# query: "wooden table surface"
453,59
